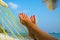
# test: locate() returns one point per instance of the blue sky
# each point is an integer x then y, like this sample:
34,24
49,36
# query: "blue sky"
48,20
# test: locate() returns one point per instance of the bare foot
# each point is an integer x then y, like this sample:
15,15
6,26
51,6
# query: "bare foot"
25,20
33,19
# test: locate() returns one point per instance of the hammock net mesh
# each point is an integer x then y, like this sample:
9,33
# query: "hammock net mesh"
10,24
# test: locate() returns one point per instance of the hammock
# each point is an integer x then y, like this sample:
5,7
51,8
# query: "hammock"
11,23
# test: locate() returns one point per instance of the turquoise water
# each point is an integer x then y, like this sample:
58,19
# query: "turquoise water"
57,35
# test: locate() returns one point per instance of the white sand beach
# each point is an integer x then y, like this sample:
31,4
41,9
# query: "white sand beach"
6,37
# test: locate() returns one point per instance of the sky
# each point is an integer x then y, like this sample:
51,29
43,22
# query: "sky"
48,20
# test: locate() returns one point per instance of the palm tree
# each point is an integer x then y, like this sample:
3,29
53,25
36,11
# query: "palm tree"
51,4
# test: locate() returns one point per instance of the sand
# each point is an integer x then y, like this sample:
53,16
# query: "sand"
6,37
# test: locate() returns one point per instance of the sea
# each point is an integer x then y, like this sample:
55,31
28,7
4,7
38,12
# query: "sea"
26,37
56,35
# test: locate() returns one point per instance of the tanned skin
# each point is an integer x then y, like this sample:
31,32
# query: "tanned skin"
34,31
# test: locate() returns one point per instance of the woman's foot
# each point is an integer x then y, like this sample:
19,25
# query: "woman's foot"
33,20
25,20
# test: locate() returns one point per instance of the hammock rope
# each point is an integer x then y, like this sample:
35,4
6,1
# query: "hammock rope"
12,22
2,26
11,14
13,26
12,19
7,26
